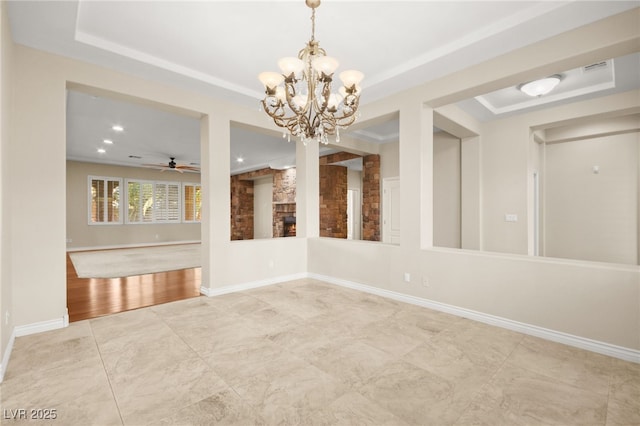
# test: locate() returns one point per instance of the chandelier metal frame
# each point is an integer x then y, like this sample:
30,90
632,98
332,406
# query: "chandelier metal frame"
300,99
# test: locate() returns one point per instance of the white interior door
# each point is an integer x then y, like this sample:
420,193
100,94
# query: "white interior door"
391,210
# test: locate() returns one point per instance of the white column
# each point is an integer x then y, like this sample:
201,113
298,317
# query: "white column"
307,189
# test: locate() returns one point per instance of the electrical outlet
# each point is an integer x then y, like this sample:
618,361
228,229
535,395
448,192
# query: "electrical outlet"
69,240
425,282
271,264
510,217
407,277
6,318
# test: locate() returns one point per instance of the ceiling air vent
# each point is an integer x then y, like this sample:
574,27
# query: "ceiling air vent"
596,66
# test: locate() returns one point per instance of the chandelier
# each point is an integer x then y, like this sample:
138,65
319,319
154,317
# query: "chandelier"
299,98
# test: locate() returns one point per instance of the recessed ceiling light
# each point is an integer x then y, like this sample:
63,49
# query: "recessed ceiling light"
102,150
108,141
240,160
118,128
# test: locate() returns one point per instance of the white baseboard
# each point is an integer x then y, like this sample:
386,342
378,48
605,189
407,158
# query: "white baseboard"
7,355
39,327
615,351
211,292
25,330
133,245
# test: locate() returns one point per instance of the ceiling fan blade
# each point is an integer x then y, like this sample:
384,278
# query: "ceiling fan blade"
192,168
164,166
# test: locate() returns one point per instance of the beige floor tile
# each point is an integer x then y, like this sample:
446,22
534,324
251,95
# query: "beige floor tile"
237,303
248,368
425,319
79,393
274,293
467,356
114,332
271,320
161,389
291,395
308,352
278,385
415,395
517,396
301,302
311,335
52,349
353,363
190,307
222,408
453,362
353,409
133,356
393,336
206,333
247,305
576,367
247,357
483,344
624,395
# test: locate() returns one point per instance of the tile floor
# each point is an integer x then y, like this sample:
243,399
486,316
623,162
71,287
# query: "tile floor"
307,352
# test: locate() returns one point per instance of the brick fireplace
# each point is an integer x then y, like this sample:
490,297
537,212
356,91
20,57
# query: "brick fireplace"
289,225
242,213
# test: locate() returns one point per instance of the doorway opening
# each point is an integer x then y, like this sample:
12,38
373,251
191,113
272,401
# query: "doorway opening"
133,182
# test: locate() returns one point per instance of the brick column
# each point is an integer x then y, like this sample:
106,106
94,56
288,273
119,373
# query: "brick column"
241,208
371,197
333,201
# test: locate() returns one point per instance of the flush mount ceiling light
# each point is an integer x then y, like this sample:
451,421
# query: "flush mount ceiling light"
540,87
117,128
299,98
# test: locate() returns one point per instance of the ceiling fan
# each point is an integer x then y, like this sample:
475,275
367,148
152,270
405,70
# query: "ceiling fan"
172,165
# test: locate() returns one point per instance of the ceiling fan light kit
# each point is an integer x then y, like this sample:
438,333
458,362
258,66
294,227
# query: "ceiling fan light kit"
299,98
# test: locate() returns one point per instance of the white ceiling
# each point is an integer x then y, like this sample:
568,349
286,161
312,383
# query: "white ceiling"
219,47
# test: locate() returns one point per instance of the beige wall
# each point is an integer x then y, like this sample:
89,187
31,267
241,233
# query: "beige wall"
592,216
507,161
6,83
38,256
389,160
83,235
470,196
593,301
504,162
446,190
598,302
263,207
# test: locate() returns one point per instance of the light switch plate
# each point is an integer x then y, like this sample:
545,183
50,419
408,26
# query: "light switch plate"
510,217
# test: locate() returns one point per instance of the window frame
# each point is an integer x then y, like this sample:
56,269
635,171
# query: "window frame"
195,207
155,220
121,199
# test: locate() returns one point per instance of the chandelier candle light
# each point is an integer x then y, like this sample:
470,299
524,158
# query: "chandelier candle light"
299,98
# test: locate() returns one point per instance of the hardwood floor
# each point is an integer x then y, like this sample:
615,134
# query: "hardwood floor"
93,297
